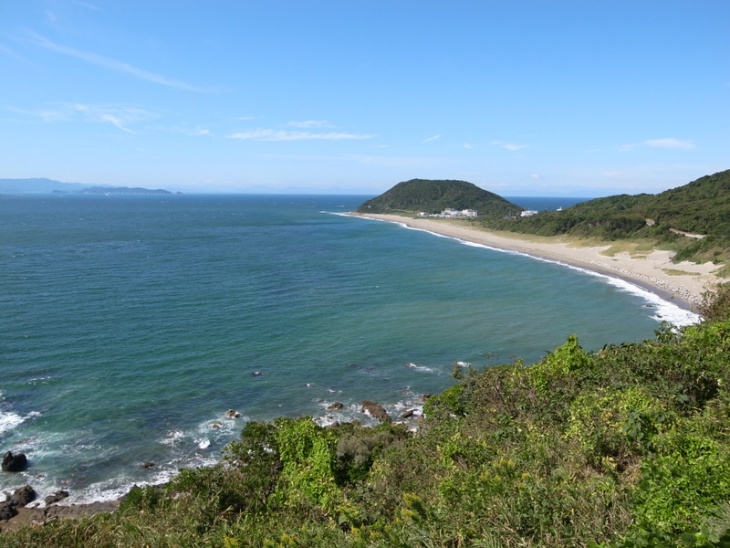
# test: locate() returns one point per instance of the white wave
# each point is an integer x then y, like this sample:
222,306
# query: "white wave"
420,368
9,420
666,310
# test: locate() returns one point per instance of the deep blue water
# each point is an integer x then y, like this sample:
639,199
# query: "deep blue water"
131,324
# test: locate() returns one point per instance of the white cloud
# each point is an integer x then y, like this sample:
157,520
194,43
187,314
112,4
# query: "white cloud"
432,138
669,142
119,66
281,135
508,146
120,116
536,176
307,124
468,146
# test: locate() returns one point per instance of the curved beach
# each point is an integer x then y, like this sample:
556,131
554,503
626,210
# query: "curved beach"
680,283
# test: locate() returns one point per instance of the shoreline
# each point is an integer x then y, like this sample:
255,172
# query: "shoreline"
682,284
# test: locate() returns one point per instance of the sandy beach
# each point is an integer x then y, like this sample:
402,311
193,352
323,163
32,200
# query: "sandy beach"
681,283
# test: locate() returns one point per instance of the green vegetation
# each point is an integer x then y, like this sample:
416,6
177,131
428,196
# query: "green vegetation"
701,207
433,196
628,446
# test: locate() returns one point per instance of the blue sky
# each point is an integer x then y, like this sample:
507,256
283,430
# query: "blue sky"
542,98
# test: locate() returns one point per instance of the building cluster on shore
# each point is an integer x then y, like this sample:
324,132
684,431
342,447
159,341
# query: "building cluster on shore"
450,213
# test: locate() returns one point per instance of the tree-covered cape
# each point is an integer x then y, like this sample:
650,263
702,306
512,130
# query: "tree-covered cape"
434,196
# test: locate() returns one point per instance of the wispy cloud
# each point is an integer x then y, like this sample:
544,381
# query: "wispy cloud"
468,146
4,50
120,116
308,124
512,147
118,66
668,142
432,138
283,135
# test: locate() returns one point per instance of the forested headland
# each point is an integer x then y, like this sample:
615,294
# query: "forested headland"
435,195
627,446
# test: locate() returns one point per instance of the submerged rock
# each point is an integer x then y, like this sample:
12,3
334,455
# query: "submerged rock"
334,406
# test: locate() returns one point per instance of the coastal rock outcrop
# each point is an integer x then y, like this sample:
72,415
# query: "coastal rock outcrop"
408,413
20,498
56,497
14,463
335,406
375,410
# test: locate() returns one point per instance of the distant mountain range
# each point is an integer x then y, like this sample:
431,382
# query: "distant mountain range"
46,186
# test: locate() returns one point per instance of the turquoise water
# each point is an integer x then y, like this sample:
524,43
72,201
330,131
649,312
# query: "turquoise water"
131,324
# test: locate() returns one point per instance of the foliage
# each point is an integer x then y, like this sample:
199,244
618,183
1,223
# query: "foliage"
716,304
628,446
700,207
433,196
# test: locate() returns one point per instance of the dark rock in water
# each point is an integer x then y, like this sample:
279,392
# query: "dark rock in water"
14,463
375,410
335,406
232,414
56,497
22,496
408,414
148,464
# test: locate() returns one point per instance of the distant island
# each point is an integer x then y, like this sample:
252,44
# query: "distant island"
121,190
50,186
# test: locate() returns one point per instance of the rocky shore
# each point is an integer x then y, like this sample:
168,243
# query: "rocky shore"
15,511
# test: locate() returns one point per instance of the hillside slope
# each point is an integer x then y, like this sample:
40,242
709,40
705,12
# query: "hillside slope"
700,208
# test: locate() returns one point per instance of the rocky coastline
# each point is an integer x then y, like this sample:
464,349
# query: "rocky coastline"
21,508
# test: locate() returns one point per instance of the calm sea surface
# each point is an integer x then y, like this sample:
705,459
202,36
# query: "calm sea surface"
129,325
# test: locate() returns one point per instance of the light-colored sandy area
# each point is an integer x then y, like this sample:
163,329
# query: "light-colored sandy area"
683,283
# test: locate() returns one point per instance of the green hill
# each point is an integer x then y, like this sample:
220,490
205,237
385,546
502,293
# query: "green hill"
433,196
701,208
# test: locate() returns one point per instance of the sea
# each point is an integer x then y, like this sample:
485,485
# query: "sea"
131,325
